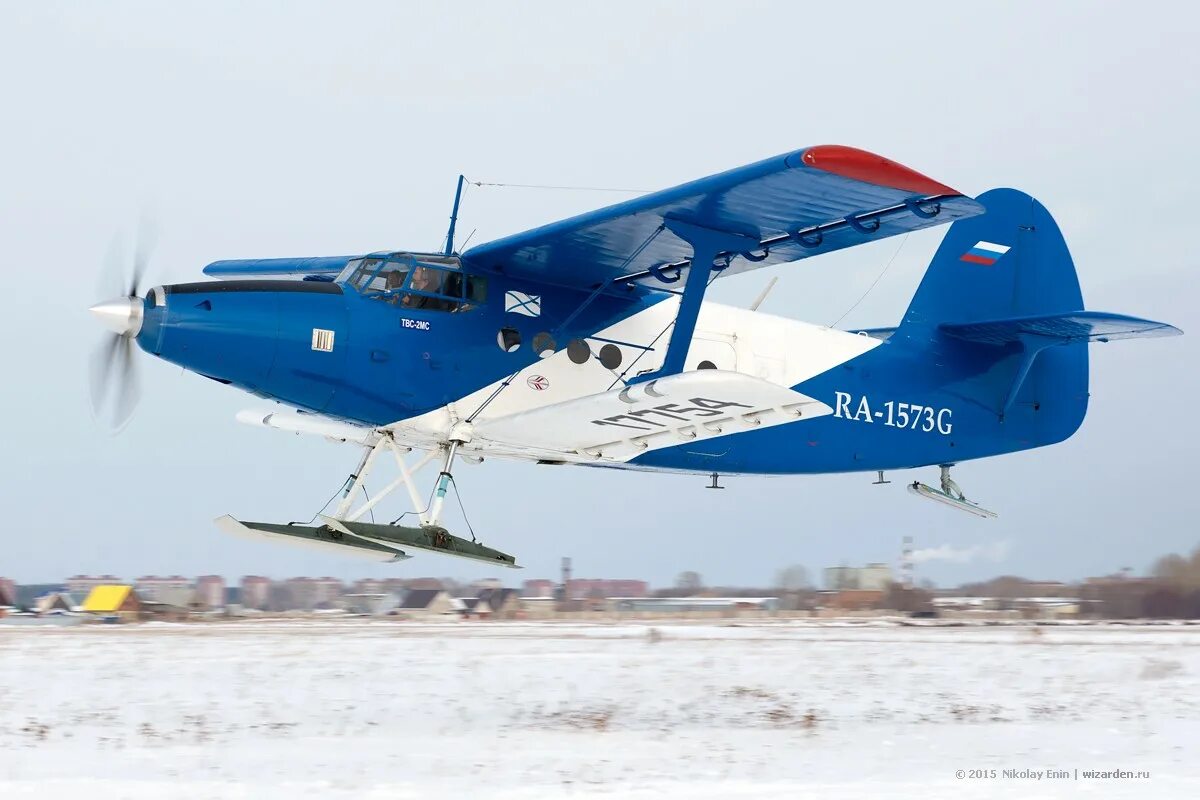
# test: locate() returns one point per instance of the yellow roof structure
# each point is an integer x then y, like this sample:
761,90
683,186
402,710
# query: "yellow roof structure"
106,598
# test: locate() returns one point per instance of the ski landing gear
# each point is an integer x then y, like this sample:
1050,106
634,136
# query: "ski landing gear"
343,531
950,495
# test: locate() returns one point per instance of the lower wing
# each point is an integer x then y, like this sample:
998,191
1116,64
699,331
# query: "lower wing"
619,425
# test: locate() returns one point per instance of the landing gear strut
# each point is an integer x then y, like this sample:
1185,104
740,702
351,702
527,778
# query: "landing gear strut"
344,529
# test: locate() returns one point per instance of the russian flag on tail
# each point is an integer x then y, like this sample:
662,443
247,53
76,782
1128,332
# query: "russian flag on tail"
985,253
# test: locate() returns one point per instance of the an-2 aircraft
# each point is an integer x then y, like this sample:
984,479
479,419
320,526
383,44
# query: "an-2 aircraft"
588,341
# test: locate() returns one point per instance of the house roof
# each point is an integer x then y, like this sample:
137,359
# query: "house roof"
496,598
53,600
474,604
419,598
106,598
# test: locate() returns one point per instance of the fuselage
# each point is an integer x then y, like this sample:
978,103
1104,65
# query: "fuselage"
438,347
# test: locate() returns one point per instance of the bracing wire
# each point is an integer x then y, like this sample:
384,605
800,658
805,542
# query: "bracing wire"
467,241
467,182
874,283
368,498
558,188
332,498
463,509
321,509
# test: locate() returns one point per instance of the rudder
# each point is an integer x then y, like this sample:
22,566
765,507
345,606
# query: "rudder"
1009,262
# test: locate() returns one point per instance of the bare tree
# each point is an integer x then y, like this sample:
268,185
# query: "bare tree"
792,579
1172,569
909,601
689,581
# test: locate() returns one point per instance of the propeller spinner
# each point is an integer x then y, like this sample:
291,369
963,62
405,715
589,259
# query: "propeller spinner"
113,373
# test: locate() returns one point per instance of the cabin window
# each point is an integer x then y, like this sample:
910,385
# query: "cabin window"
610,356
578,351
509,339
543,345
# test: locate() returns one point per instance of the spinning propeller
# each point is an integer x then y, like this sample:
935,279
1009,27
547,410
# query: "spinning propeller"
113,374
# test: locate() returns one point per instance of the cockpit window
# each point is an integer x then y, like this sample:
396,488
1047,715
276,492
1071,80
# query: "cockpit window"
405,280
377,275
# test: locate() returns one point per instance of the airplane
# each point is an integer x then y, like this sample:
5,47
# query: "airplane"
588,341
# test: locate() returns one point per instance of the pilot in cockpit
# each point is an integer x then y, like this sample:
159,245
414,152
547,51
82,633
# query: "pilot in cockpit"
395,279
423,280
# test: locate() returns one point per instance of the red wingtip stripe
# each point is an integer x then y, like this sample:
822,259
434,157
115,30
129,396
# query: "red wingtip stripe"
859,165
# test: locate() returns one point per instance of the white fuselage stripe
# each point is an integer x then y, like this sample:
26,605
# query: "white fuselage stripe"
782,351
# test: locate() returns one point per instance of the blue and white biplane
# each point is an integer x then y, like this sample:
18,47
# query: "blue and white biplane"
589,341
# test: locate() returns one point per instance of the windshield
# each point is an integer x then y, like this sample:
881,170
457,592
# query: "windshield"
434,283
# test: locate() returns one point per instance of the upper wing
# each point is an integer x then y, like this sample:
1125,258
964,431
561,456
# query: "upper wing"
795,205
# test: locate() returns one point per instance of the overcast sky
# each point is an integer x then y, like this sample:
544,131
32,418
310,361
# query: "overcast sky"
276,129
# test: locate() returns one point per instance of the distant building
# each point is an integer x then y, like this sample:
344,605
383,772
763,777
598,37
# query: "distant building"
210,591
422,583
427,604
367,586
694,605
486,583
601,588
539,587
396,586
853,599
873,578
8,592
472,607
500,603
113,600
175,590
308,594
373,603
55,602
256,592
80,585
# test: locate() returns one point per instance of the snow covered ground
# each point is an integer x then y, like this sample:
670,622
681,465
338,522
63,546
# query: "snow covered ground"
371,709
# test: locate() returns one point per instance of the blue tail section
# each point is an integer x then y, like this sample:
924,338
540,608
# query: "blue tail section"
1002,292
1012,261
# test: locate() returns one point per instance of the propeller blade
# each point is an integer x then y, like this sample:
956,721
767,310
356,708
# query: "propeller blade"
147,238
129,390
114,381
110,282
100,368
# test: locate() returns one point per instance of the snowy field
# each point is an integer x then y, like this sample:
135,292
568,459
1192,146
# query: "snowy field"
366,709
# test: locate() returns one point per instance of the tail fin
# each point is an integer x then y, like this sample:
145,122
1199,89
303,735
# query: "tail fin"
1009,262
1001,296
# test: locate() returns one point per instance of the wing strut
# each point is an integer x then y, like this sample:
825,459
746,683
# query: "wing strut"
707,244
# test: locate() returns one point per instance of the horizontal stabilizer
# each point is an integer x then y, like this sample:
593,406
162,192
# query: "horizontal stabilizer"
1074,326
882,334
